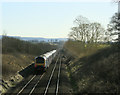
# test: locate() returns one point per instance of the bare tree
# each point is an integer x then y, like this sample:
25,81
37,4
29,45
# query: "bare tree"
85,31
97,32
79,32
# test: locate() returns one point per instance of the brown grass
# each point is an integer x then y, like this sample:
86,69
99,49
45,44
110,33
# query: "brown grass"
95,70
80,49
11,63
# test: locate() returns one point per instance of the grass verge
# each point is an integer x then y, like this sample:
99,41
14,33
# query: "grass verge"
94,72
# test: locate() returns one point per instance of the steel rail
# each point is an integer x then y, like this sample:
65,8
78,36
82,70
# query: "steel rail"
36,85
31,91
26,85
50,78
57,87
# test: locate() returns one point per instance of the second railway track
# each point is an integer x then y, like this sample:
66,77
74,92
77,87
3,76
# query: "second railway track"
34,83
43,83
50,82
53,82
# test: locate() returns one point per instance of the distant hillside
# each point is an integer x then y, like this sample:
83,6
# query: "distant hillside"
39,39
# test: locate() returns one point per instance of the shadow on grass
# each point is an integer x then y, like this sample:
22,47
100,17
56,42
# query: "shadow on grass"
27,71
98,72
30,70
88,62
27,74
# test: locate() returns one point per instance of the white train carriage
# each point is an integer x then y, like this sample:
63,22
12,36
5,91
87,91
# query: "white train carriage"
42,62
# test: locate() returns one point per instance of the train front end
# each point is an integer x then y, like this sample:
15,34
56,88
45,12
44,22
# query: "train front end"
39,63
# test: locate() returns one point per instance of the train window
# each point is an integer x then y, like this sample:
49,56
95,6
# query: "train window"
39,60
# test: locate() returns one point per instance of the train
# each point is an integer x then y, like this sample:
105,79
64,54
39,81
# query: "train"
42,62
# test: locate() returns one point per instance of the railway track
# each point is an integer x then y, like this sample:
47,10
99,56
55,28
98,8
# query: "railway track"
52,85
41,84
30,86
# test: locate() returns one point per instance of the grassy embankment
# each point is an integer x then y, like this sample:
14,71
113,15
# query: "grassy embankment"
94,67
17,54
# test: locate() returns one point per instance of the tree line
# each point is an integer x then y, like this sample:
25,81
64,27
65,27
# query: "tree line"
93,32
14,45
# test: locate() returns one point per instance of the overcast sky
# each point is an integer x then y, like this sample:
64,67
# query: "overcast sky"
51,19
